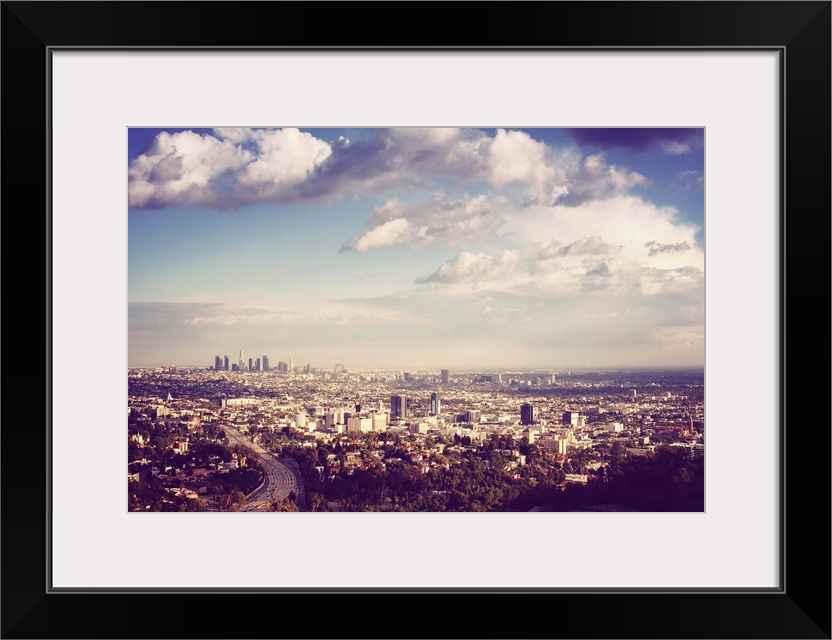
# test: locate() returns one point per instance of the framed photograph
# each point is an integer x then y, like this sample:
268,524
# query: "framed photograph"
485,236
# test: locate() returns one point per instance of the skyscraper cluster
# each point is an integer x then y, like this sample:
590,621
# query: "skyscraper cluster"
222,363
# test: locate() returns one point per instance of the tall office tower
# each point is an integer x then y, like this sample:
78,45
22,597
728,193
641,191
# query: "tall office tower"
398,407
217,363
240,364
257,364
339,369
526,414
407,376
446,376
266,363
225,363
571,418
291,365
435,404
251,364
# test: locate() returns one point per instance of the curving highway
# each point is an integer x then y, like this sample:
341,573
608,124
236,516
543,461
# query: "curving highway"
279,479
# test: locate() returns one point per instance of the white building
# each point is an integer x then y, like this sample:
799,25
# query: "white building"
379,422
360,424
556,445
419,427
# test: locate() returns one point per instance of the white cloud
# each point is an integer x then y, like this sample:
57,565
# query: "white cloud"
620,257
625,223
241,166
594,179
469,266
585,246
514,157
178,167
286,158
442,221
396,231
244,167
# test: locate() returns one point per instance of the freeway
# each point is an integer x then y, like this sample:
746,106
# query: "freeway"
280,477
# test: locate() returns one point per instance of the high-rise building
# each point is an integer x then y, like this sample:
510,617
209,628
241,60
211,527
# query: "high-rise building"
240,364
225,363
435,404
257,364
251,364
446,376
398,407
291,365
571,418
339,369
266,363
469,416
217,363
407,376
527,414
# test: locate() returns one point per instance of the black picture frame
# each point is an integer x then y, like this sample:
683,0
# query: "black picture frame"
800,608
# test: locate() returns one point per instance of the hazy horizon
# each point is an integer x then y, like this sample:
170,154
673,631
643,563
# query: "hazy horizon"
472,248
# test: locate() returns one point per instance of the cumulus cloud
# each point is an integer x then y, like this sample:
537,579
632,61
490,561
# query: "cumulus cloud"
620,276
469,266
554,257
182,168
390,159
585,246
625,223
241,166
234,167
594,179
442,221
514,157
593,267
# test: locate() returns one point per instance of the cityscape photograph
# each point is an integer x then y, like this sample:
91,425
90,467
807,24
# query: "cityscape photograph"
416,320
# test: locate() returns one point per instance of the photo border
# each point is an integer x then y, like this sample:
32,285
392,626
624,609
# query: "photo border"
31,31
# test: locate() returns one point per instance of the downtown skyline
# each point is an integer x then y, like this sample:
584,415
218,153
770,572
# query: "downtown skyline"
417,247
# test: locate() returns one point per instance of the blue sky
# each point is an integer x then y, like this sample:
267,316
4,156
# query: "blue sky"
417,247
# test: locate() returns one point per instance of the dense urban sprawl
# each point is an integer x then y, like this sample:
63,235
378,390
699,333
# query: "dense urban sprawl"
255,438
